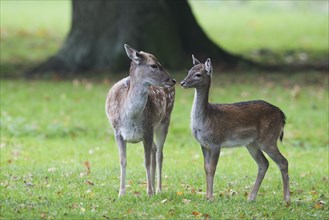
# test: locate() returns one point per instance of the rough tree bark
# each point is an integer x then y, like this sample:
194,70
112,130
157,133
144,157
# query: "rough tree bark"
99,29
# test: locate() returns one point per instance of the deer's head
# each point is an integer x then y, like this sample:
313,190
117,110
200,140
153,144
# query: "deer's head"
146,68
199,75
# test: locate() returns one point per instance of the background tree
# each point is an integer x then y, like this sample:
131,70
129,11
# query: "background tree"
163,27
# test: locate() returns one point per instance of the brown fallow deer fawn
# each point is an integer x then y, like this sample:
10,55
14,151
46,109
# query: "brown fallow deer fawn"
255,124
139,108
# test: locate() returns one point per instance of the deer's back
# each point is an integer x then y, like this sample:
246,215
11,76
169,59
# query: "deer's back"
241,123
250,112
157,110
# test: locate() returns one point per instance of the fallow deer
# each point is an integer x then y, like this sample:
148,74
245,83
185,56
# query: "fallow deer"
139,108
255,124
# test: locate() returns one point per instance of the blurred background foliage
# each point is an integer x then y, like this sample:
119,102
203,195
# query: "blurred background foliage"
268,31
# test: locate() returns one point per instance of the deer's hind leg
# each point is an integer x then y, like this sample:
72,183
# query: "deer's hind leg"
262,163
282,163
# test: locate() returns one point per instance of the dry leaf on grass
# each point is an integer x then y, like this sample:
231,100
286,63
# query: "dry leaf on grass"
319,205
195,213
87,166
89,182
186,201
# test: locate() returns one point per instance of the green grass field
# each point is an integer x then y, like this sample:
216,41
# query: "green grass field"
258,24
49,130
59,159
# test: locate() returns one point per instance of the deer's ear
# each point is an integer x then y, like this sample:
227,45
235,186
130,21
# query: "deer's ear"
195,61
133,54
208,67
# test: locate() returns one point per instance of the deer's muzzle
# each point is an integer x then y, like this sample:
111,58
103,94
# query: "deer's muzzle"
170,82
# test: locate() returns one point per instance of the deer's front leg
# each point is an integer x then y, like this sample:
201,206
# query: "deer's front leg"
153,164
210,163
123,163
148,151
159,158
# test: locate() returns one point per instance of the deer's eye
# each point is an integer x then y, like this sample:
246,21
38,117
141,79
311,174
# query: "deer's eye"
153,66
198,75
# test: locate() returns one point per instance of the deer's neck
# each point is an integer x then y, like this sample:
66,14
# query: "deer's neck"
136,98
200,103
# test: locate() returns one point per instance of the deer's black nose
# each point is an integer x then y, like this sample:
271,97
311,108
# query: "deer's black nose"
183,83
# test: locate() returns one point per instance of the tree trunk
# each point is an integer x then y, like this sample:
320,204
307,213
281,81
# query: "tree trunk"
99,29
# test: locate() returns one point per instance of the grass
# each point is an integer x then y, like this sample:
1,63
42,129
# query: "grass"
52,133
27,28
298,25
285,32
59,159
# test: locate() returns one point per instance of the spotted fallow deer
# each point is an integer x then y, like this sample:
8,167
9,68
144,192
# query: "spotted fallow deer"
255,124
139,108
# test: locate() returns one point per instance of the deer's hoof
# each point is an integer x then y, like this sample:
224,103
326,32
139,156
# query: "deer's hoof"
210,198
150,193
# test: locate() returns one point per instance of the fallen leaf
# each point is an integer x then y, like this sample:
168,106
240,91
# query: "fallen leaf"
136,193
231,192
43,215
28,184
52,169
142,183
179,193
313,192
195,213
206,216
186,201
171,212
186,186
319,205
164,201
241,215
89,182
295,92
87,165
